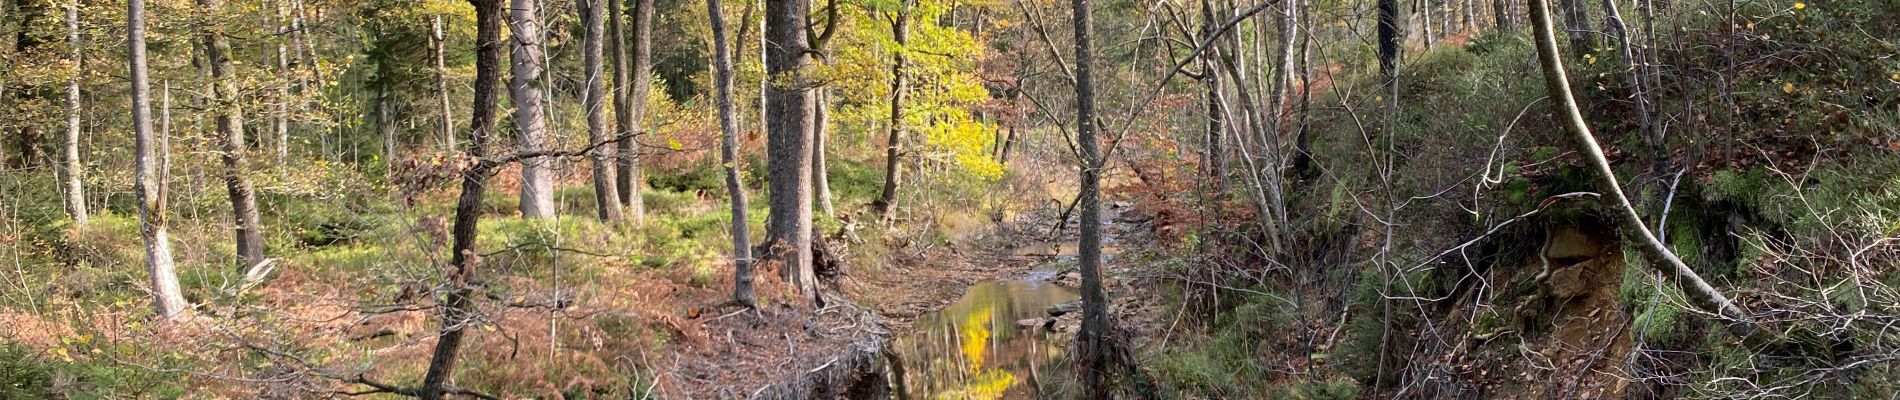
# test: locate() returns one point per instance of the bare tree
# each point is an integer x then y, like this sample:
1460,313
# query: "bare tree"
1092,356
893,146
1664,261
168,299
742,290
788,104
231,145
438,45
456,310
631,180
537,178
606,197
75,195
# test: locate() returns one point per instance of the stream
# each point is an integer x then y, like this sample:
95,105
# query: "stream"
974,349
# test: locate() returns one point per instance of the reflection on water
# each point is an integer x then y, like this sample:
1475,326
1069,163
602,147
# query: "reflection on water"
973,349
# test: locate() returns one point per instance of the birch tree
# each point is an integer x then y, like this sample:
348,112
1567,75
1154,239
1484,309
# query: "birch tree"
75,196
168,298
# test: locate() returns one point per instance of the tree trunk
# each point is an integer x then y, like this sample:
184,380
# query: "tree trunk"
1577,27
168,298
439,45
75,195
632,182
27,142
820,169
606,198
893,146
1501,15
1390,36
1633,72
1424,10
1092,343
1698,291
1216,129
456,310
537,178
788,143
230,121
742,290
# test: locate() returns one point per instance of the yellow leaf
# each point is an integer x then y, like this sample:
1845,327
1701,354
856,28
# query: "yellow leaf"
1896,76
1799,5
674,144
1787,87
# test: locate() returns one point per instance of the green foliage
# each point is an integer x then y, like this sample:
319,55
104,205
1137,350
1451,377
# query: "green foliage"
1331,389
23,375
1224,365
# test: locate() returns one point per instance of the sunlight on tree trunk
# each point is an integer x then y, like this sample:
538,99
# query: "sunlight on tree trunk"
742,289
537,178
168,299
231,145
606,198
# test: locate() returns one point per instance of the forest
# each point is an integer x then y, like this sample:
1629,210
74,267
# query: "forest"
949,199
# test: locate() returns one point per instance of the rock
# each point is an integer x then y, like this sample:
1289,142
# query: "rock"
1030,323
1065,308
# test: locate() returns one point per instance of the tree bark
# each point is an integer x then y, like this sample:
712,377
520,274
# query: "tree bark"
1092,343
75,195
1699,292
893,146
788,143
1390,36
1577,27
439,45
168,298
230,124
456,310
742,289
537,178
820,168
606,197
632,182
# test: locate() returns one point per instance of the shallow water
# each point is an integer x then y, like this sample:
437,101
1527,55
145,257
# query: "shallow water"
974,350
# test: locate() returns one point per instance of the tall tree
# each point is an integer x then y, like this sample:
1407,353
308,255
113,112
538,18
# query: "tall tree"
606,198
1694,288
456,310
231,144
524,89
788,128
437,45
167,298
742,290
1390,36
632,180
893,146
1577,26
1092,353
821,116
75,195
28,40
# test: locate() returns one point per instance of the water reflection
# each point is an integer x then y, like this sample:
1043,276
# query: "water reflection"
974,349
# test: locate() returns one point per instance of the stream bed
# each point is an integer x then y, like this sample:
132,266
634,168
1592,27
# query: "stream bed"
974,348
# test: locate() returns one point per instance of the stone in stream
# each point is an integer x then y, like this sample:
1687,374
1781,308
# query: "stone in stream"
1065,308
1030,323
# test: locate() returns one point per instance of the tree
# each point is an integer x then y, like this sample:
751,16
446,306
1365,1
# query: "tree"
438,45
167,298
537,178
632,181
230,137
821,116
1092,343
1698,291
456,310
788,105
742,290
893,146
75,195
1390,36
606,197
